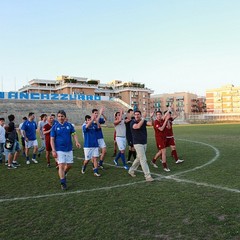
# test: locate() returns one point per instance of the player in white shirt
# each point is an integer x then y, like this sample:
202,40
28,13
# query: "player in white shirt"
120,129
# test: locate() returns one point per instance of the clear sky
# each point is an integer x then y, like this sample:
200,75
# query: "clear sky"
171,46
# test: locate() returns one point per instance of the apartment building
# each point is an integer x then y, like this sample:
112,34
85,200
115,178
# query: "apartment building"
183,102
135,94
225,99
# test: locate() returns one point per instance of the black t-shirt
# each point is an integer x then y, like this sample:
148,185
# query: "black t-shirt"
128,129
12,133
139,135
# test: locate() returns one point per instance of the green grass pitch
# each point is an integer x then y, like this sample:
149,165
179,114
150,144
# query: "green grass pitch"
199,199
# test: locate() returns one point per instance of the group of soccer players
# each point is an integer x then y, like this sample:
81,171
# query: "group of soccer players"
163,136
130,128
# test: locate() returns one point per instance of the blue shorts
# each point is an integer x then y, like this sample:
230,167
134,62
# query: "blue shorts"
16,148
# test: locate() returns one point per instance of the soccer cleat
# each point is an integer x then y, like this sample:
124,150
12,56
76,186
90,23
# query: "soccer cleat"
166,169
179,161
63,186
16,164
149,179
27,162
11,166
48,165
154,164
101,166
129,162
84,167
97,174
126,167
131,174
115,162
34,160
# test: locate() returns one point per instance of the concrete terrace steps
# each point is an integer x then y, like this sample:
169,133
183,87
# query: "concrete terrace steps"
76,110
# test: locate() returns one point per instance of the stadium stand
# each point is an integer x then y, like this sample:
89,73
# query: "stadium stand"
76,110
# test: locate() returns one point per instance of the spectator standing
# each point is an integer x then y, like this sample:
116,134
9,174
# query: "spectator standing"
2,138
14,151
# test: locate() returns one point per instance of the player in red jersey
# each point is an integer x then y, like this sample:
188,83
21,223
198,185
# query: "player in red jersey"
170,138
160,137
46,131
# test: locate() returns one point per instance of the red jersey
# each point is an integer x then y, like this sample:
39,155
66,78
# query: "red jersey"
169,129
47,127
160,136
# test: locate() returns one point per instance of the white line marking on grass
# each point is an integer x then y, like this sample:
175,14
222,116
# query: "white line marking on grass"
159,176
204,184
217,154
171,177
70,193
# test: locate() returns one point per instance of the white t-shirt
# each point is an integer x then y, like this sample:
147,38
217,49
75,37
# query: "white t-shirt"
120,129
2,134
20,127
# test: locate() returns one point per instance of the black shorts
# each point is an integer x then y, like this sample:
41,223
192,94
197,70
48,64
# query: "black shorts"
23,141
130,142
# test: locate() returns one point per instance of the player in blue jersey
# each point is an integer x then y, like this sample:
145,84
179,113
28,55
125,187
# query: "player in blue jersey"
91,151
101,142
61,143
29,128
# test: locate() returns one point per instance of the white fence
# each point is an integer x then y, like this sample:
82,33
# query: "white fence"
211,117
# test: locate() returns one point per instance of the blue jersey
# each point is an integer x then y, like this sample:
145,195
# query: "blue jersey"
30,129
62,134
90,135
54,121
99,131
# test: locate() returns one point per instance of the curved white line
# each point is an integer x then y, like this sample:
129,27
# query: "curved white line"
170,177
217,154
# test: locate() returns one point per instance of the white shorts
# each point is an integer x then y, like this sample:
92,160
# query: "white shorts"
89,153
101,143
121,143
65,157
30,143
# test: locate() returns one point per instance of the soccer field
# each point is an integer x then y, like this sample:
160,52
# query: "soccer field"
198,199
